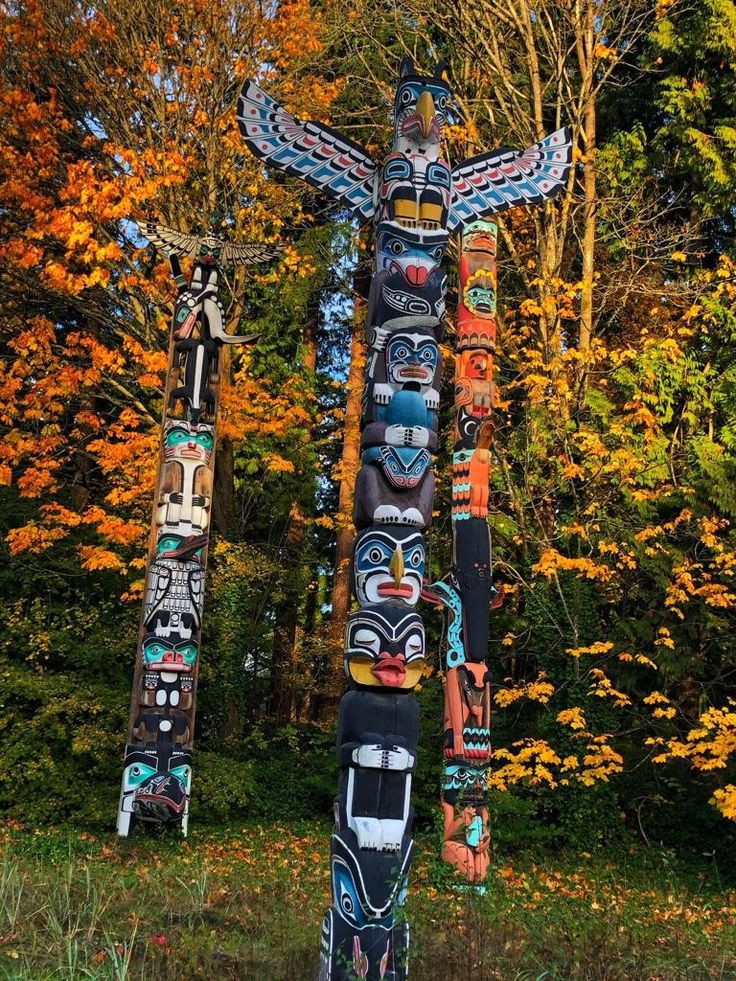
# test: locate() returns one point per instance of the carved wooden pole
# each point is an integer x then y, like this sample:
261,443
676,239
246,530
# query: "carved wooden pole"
415,200
467,743
158,757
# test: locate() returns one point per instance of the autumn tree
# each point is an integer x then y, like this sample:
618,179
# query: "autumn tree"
110,115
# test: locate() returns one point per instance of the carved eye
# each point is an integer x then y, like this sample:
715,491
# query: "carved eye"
428,354
414,644
401,352
138,774
442,103
375,555
397,247
367,638
406,97
346,902
437,253
416,557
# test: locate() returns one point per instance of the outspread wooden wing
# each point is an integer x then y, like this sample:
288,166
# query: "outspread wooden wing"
247,253
493,182
170,240
319,155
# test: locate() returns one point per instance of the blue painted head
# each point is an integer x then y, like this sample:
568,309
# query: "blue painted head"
420,107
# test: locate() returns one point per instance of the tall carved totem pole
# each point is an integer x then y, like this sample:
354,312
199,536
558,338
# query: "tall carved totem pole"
415,200
158,757
467,743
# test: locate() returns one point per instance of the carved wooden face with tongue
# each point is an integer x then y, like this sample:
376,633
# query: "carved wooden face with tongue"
384,646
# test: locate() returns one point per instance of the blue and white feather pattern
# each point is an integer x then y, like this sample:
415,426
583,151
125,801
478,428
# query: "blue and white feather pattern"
316,153
493,182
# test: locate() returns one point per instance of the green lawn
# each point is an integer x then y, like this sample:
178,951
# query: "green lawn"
246,903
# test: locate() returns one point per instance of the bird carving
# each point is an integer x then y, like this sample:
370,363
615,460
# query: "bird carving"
208,249
476,188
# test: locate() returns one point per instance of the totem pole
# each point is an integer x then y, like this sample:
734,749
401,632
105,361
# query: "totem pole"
467,741
158,757
414,199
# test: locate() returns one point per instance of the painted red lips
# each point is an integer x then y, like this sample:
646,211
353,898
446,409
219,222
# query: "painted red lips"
390,671
389,589
414,371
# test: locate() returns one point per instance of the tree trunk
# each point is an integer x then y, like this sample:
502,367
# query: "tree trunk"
284,661
348,472
287,633
223,497
587,62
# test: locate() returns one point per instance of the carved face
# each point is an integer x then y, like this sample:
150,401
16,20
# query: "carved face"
210,251
160,654
181,547
384,646
476,314
411,359
157,783
184,441
402,466
415,191
420,108
388,565
479,293
411,253
477,365
466,784
479,240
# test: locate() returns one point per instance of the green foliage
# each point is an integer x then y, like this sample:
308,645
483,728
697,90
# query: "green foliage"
224,787
61,736
696,48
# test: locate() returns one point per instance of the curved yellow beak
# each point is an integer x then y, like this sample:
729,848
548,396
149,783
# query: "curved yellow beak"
396,565
425,111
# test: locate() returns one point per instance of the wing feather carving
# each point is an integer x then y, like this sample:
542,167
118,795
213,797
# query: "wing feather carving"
316,153
492,182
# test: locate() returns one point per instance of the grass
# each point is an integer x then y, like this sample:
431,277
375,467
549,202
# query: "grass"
247,903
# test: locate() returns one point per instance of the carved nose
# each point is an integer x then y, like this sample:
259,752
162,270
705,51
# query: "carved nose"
425,111
396,566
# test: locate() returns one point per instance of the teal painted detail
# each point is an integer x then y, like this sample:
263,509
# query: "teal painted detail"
450,598
474,831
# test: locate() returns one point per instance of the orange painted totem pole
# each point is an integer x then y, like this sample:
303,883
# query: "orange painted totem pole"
467,743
